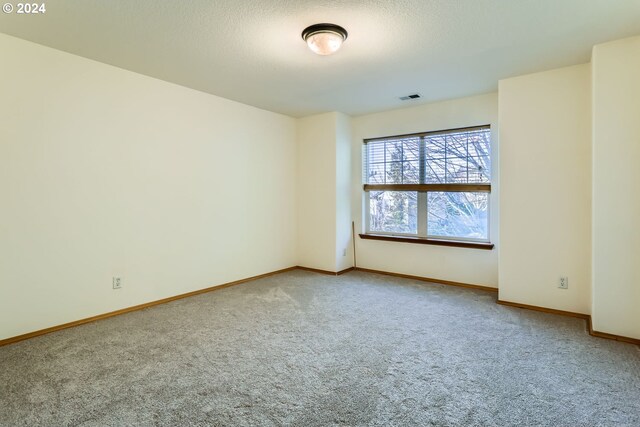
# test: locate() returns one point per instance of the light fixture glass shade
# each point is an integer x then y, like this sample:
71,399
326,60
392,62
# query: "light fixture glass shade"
324,39
324,43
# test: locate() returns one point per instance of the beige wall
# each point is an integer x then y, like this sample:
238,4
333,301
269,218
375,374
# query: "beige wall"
616,187
317,191
324,192
545,167
344,249
104,172
446,263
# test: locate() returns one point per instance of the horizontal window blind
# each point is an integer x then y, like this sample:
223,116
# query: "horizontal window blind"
393,161
460,156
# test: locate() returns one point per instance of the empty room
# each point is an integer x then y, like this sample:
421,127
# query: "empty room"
329,213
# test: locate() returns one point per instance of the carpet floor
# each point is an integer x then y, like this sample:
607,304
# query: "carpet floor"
301,348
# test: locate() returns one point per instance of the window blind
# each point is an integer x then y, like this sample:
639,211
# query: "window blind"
460,156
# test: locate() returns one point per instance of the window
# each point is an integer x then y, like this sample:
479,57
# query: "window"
430,187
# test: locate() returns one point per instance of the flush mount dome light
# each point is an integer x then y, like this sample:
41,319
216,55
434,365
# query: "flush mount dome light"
324,39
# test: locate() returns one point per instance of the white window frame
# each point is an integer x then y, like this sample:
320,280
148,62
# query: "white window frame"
422,204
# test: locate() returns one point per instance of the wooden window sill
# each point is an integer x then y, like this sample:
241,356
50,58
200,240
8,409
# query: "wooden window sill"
428,241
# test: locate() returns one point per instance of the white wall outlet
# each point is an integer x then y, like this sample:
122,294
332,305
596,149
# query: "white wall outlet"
344,252
117,283
563,283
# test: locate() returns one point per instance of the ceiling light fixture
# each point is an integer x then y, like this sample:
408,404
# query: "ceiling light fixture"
324,39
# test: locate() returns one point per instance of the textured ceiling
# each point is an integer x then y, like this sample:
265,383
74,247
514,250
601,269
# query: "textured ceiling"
251,51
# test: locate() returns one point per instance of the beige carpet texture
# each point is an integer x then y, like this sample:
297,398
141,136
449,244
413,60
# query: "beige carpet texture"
305,349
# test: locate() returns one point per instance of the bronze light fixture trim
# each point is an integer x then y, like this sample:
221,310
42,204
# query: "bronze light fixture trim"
324,39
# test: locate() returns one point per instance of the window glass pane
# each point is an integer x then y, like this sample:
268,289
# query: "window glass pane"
458,214
373,170
393,150
459,157
393,173
402,173
434,172
375,152
435,146
479,168
411,149
375,175
479,143
393,161
393,211
457,145
411,172
457,170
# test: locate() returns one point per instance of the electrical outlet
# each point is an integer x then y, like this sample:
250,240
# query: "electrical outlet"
117,283
563,283
344,252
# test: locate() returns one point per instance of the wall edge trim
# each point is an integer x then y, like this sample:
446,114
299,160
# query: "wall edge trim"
429,279
585,317
330,273
40,332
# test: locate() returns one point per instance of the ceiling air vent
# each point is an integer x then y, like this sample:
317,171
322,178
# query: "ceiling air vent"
408,97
